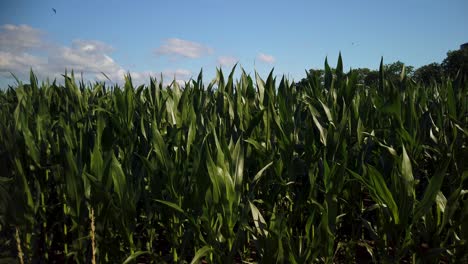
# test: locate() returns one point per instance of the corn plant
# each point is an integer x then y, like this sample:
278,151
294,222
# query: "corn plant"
235,171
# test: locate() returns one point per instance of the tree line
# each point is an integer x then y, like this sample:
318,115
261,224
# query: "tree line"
454,65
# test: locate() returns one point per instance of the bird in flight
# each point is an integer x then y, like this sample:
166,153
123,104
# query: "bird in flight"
55,11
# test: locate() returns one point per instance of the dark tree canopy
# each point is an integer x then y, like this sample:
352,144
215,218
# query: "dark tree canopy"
394,69
429,73
366,76
455,64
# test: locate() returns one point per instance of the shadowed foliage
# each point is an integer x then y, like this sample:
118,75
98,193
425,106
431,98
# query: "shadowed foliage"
255,170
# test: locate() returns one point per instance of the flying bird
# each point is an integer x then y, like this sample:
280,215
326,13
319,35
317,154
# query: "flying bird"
55,11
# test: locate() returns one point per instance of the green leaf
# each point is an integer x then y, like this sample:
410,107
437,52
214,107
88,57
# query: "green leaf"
97,162
160,148
24,182
191,135
259,221
328,75
339,67
359,131
119,179
261,88
73,181
134,256
202,252
382,192
322,131
238,162
432,190
378,189
260,173
381,75
171,205
407,173
327,112
451,101
31,145
256,119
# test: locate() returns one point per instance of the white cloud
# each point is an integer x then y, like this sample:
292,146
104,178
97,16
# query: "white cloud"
23,47
143,77
179,47
227,60
10,61
83,58
20,38
91,46
138,78
266,58
18,47
178,74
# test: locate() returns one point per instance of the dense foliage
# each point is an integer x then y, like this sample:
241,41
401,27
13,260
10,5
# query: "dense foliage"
236,170
455,66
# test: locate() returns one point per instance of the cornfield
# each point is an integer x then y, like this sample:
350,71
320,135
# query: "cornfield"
241,170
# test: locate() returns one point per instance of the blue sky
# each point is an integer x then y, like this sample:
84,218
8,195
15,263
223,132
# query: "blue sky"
178,38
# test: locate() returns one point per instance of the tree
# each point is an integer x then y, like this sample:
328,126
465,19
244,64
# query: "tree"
320,74
393,70
429,73
372,79
361,74
366,76
456,62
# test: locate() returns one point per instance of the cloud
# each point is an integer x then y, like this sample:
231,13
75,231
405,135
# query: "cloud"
138,78
91,46
179,75
227,60
18,47
178,47
266,58
20,38
10,61
23,47
84,56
